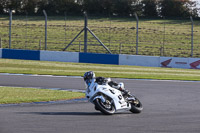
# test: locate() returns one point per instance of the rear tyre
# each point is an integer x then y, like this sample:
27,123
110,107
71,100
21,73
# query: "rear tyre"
106,108
136,106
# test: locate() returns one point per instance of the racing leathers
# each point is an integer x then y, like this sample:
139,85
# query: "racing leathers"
113,84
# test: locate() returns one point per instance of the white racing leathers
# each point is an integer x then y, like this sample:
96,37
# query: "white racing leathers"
109,100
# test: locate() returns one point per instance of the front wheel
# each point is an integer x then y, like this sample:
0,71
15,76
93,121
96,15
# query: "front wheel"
136,106
106,108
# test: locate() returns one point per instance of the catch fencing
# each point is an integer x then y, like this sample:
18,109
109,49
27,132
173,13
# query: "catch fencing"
133,35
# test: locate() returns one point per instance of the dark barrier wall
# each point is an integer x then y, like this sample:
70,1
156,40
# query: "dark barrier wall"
98,58
21,54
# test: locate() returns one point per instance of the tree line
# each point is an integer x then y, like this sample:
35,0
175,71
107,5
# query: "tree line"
146,8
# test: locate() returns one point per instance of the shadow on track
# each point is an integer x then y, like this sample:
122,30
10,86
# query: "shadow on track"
76,113
65,113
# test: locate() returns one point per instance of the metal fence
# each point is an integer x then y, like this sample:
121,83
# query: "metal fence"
158,37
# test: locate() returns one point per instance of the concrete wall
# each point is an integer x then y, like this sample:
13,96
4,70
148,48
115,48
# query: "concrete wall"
99,58
176,62
20,54
135,60
194,63
59,56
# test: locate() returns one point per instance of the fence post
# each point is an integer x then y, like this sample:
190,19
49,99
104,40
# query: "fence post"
136,33
163,45
45,14
65,28
109,30
26,30
10,27
85,32
192,30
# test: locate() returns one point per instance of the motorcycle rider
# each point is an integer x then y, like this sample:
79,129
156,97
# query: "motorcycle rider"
89,77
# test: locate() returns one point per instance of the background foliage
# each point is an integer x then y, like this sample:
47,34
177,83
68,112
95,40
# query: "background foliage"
152,8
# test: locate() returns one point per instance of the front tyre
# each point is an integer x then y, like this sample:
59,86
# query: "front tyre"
106,108
136,106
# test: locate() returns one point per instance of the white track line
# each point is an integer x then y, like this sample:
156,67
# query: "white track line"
79,77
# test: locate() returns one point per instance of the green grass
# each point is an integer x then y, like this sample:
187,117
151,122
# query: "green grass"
10,95
172,35
13,95
114,71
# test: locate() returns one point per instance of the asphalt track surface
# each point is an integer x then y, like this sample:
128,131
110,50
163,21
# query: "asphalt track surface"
169,107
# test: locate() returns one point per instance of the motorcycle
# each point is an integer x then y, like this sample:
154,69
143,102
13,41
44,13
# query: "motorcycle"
109,100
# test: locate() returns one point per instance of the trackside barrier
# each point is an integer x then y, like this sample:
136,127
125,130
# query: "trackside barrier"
194,63
136,60
176,62
59,56
99,58
20,54
0,53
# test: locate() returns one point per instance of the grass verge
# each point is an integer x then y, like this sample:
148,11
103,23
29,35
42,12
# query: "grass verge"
114,71
12,95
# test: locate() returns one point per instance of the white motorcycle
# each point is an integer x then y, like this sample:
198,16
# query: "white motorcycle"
109,100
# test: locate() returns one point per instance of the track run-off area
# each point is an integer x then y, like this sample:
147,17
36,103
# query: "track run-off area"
169,106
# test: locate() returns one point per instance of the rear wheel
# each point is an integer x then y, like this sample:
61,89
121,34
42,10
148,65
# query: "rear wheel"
106,108
136,106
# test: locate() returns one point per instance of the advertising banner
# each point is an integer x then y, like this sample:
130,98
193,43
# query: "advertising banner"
174,62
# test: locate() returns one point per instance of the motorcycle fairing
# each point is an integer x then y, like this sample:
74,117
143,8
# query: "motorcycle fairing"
94,89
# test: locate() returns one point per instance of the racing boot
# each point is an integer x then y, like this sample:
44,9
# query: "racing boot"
126,93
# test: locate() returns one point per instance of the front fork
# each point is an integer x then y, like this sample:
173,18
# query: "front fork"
100,97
